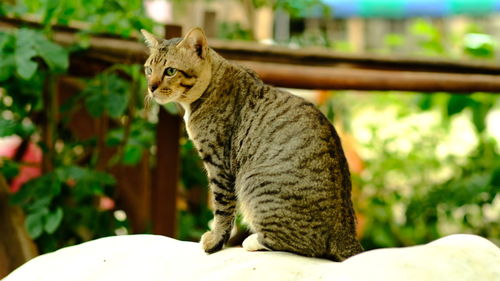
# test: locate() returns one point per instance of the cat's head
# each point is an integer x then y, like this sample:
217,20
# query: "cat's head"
178,69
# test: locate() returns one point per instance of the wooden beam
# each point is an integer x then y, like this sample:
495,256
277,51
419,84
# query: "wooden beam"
313,77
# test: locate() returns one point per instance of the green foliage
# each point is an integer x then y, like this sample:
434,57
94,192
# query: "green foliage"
7,127
421,180
394,40
430,40
9,169
31,44
302,7
139,138
119,17
62,205
479,45
233,31
106,93
65,192
21,50
417,185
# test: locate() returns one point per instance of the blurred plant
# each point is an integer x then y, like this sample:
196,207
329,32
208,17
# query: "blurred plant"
302,7
479,45
421,183
233,31
70,202
61,207
429,39
421,179
119,17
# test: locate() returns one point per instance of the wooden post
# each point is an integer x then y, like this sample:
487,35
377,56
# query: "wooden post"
16,247
166,178
210,24
356,34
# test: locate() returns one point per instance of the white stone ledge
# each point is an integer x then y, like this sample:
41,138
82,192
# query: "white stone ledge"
156,258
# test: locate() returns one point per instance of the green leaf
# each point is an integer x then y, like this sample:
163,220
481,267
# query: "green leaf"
116,91
330,113
457,103
479,45
22,196
423,27
7,127
9,169
70,172
4,38
43,188
25,52
55,56
495,178
53,220
383,237
104,178
424,102
479,114
107,92
7,66
88,182
7,59
34,222
394,40
132,154
116,103
114,137
50,10
95,105
40,203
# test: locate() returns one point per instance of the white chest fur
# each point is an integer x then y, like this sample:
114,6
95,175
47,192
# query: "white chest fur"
187,114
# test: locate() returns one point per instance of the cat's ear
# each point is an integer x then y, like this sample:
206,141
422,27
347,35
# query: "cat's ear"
196,41
151,40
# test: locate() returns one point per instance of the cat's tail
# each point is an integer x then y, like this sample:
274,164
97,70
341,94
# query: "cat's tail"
343,247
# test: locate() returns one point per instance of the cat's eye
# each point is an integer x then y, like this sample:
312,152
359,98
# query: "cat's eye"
148,70
170,71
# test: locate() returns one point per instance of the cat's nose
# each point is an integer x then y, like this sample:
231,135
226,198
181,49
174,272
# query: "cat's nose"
153,87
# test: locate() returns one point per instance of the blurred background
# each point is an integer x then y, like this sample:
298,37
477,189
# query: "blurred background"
411,85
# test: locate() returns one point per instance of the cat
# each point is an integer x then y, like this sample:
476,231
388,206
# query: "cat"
271,154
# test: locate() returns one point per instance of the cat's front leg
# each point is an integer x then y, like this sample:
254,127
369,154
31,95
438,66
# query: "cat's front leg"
224,203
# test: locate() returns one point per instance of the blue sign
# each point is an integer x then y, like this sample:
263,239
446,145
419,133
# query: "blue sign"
411,8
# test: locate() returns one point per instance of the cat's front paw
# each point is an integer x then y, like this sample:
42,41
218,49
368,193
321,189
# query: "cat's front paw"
211,242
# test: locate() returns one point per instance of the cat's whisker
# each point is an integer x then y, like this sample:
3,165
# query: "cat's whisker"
147,102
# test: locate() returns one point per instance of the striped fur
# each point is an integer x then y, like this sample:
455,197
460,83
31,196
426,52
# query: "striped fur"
272,154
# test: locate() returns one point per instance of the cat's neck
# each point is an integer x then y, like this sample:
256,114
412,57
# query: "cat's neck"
215,66
219,66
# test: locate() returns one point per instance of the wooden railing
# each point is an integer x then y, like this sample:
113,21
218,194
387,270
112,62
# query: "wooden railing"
309,68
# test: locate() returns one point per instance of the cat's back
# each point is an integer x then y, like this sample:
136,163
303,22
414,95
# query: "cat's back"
279,128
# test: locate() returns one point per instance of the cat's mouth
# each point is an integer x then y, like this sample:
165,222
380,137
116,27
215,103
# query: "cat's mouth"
161,97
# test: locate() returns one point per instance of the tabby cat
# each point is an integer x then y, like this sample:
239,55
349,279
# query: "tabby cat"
272,154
